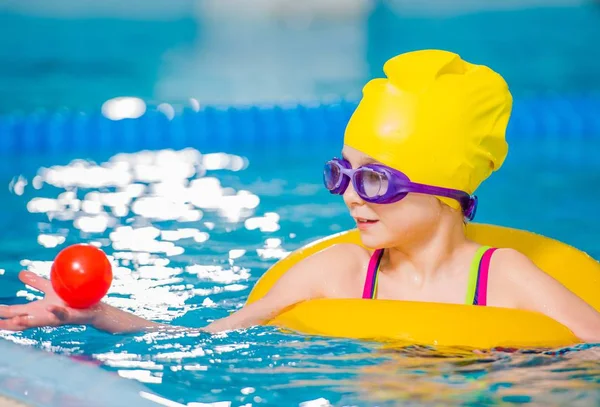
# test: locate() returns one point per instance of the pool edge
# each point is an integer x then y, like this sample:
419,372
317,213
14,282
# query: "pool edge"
32,377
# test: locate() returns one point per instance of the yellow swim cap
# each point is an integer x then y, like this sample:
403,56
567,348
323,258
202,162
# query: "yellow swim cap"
437,118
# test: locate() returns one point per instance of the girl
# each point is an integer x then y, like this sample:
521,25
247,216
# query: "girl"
419,144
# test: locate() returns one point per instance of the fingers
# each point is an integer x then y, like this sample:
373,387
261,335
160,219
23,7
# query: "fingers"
23,322
10,325
35,281
36,321
20,322
10,311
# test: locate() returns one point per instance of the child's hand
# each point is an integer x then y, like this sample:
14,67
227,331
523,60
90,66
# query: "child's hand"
49,311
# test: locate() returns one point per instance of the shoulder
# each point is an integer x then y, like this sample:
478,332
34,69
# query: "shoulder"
327,273
506,261
350,250
333,260
516,282
343,256
338,270
511,275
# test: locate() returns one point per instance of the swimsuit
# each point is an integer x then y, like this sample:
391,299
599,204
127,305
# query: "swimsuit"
478,276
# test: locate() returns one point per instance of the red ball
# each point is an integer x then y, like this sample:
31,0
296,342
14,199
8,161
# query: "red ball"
81,275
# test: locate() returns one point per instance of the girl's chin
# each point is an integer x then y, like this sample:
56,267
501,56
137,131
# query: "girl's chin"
371,239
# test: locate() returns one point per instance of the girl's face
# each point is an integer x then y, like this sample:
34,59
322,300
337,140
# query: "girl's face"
414,218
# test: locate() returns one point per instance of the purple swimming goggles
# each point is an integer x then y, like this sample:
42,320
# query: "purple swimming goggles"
379,184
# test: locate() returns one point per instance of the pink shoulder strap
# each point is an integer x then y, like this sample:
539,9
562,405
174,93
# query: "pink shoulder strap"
482,281
370,280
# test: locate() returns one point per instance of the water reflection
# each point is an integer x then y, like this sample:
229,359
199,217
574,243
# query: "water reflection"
164,185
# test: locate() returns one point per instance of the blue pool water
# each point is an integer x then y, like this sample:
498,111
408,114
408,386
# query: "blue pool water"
190,234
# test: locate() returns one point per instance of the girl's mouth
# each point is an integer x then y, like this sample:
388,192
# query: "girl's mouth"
363,223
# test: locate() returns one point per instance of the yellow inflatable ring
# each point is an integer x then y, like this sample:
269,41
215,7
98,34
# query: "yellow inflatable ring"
444,324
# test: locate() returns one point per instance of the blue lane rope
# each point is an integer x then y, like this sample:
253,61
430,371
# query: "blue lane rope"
212,128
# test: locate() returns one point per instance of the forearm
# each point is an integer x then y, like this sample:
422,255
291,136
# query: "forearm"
254,314
113,320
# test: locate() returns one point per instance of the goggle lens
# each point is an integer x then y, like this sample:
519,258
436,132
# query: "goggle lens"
372,184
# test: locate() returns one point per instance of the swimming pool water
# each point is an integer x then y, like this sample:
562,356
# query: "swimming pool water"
190,233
